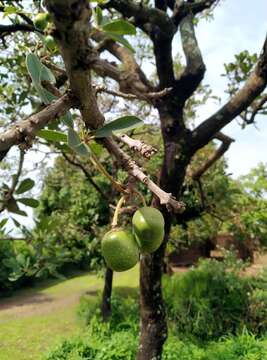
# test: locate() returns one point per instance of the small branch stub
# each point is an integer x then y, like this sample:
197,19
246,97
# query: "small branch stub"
137,145
133,169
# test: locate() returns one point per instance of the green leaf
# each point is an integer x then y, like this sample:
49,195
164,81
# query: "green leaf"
34,67
76,144
52,135
38,73
25,185
46,74
37,70
12,206
96,148
29,202
67,119
45,95
98,15
17,224
121,40
120,27
73,138
120,125
3,223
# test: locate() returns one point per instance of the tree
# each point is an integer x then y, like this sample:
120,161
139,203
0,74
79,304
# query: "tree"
82,44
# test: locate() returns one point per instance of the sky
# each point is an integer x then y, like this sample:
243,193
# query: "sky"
237,25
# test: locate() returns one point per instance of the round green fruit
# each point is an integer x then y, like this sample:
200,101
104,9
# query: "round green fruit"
148,228
119,249
41,20
50,42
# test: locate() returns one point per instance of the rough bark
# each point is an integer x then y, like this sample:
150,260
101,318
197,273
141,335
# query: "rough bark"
153,318
23,132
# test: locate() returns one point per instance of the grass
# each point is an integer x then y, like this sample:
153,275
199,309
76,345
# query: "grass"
28,334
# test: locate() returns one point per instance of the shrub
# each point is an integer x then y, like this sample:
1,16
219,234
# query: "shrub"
125,309
100,343
208,301
257,311
16,261
242,347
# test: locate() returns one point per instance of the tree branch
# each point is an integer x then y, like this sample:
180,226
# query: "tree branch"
258,107
159,27
149,97
253,87
181,9
132,168
24,131
87,175
195,67
72,21
137,145
144,16
226,142
8,195
10,29
131,79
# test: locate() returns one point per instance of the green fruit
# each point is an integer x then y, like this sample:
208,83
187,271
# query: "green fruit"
148,228
50,42
41,20
120,249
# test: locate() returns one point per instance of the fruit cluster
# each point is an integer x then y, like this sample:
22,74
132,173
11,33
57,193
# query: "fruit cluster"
41,22
121,247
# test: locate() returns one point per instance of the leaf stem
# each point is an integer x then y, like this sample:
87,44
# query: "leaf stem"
118,186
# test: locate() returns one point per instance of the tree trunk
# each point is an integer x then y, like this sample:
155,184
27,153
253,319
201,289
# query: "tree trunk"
107,290
152,309
106,295
153,318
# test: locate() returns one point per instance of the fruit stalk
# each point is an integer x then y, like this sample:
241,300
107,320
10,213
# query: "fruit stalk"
116,213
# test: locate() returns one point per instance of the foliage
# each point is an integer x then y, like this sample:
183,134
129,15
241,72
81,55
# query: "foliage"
212,300
78,216
70,220
231,206
16,264
117,339
121,345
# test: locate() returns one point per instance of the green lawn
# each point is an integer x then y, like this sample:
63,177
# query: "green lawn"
50,317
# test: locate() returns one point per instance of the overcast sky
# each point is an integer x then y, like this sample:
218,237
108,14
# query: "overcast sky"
237,25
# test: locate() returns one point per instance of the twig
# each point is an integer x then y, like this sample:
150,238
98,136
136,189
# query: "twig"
133,169
87,175
257,108
137,145
53,66
226,142
9,193
128,96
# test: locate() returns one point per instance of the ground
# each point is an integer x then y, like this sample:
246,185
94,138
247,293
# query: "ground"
36,319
